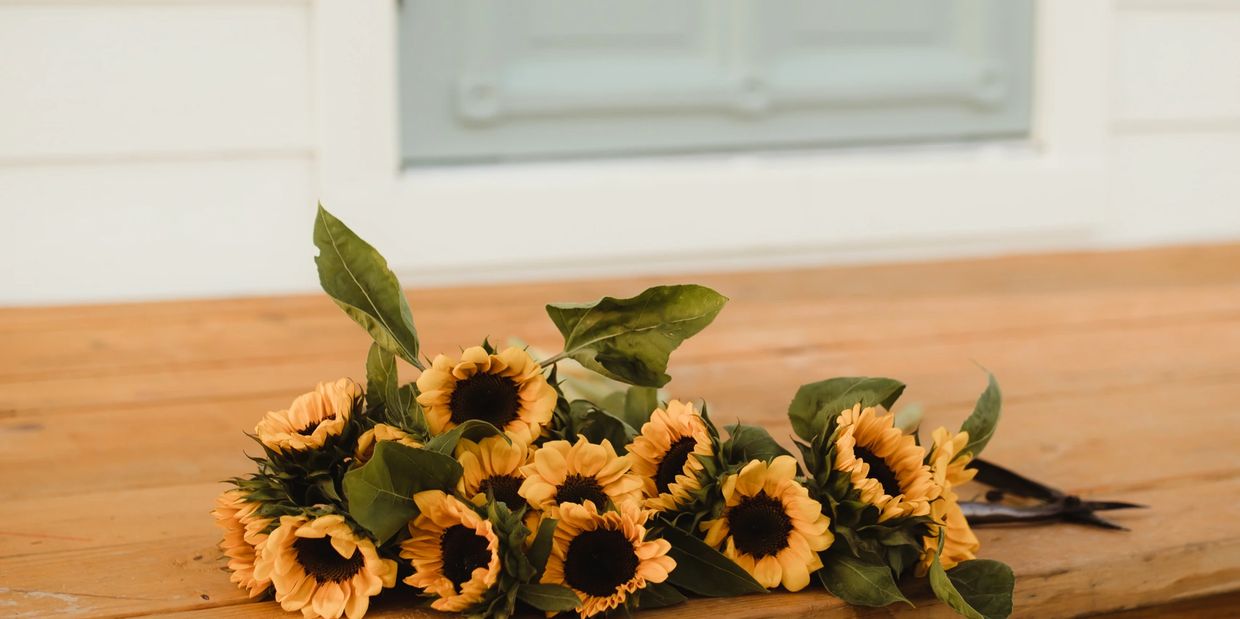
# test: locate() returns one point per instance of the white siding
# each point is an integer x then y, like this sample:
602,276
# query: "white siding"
1176,135
155,149
164,148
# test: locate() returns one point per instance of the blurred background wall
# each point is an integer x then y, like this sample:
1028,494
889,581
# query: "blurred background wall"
176,148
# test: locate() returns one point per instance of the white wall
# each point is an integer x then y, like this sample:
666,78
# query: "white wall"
155,148
165,148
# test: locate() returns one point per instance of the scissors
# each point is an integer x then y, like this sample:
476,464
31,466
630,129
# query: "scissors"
1051,503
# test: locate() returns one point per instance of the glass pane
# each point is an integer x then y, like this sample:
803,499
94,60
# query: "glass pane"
495,80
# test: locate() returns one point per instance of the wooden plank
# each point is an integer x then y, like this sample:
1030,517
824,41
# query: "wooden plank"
1105,360
807,351
1063,570
1042,376
55,458
62,503
277,330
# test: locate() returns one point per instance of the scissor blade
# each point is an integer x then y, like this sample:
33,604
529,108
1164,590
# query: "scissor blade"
1092,519
1102,506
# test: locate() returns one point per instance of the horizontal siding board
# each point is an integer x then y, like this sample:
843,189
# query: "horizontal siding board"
1177,64
100,80
1175,188
156,230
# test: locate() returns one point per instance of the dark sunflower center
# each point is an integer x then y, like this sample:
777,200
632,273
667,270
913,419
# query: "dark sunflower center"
599,561
320,560
504,488
673,463
488,397
463,552
579,489
759,525
880,471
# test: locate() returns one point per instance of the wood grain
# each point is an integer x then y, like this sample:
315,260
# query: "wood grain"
1121,374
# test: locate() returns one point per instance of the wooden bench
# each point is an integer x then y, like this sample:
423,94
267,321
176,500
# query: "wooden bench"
1121,373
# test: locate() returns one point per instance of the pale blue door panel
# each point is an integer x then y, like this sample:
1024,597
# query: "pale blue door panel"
497,80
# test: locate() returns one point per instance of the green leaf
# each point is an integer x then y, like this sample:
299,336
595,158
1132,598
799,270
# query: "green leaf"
747,443
859,583
816,403
380,493
552,598
473,429
540,548
979,589
705,571
383,385
639,403
359,280
630,340
659,595
985,418
598,425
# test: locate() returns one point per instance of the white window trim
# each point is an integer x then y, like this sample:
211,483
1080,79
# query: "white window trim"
669,214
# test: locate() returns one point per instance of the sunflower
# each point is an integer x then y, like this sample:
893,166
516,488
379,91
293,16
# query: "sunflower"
604,557
312,419
667,455
454,551
381,432
322,568
507,390
244,535
492,465
949,468
770,526
884,464
578,473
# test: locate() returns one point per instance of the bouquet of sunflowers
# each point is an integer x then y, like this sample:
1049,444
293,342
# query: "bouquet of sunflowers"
498,481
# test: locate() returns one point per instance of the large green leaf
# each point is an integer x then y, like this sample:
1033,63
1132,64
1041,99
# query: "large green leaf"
630,340
816,403
979,589
553,598
747,443
985,418
858,582
380,492
359,280
705,571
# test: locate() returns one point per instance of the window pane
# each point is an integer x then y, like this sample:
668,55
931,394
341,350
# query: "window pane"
495,80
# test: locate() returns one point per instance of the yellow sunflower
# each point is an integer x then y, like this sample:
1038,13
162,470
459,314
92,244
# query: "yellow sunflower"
884,464
666,455
454,552
243,538
604,557
949,468
507,389
578,473
492,465
770,526
312,418
381,432
322,568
